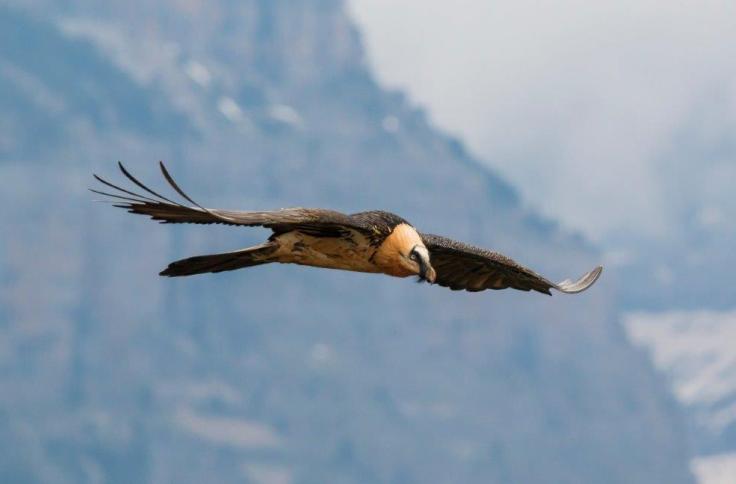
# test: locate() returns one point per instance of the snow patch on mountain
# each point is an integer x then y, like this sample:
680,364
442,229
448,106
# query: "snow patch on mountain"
695,349
715,469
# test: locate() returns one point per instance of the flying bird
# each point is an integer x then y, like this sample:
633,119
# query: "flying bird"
373,241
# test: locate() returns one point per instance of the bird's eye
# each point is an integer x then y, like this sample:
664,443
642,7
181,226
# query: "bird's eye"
413,256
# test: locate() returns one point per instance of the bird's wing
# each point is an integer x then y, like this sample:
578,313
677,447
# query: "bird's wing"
461,266
158,207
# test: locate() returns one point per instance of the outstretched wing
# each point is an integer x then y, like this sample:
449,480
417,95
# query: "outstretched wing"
158,207
461,266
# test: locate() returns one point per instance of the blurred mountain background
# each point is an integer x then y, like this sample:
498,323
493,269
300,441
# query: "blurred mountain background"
616,118
284,375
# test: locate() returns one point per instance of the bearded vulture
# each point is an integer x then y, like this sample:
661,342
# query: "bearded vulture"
374,241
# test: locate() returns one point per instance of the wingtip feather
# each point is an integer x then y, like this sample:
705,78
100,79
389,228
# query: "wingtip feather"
587,280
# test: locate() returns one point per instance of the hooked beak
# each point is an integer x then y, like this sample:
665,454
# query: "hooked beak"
426,272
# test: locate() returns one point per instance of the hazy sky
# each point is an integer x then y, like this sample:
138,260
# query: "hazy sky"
581,104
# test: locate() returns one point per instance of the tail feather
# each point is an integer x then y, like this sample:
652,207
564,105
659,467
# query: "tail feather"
252,256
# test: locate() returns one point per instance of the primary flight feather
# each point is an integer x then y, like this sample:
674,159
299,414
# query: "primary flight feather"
374,241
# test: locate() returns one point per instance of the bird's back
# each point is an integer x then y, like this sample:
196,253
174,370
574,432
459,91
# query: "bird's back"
378,220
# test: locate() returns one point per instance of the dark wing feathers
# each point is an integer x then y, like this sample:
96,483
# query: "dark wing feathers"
465,267
166,210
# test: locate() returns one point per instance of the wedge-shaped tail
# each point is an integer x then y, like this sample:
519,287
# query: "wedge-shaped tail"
229,261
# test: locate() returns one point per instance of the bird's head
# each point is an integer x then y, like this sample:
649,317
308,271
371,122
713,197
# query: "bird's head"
417,260
403,254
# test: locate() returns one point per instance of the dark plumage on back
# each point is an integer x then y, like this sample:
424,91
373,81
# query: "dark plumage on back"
378,220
